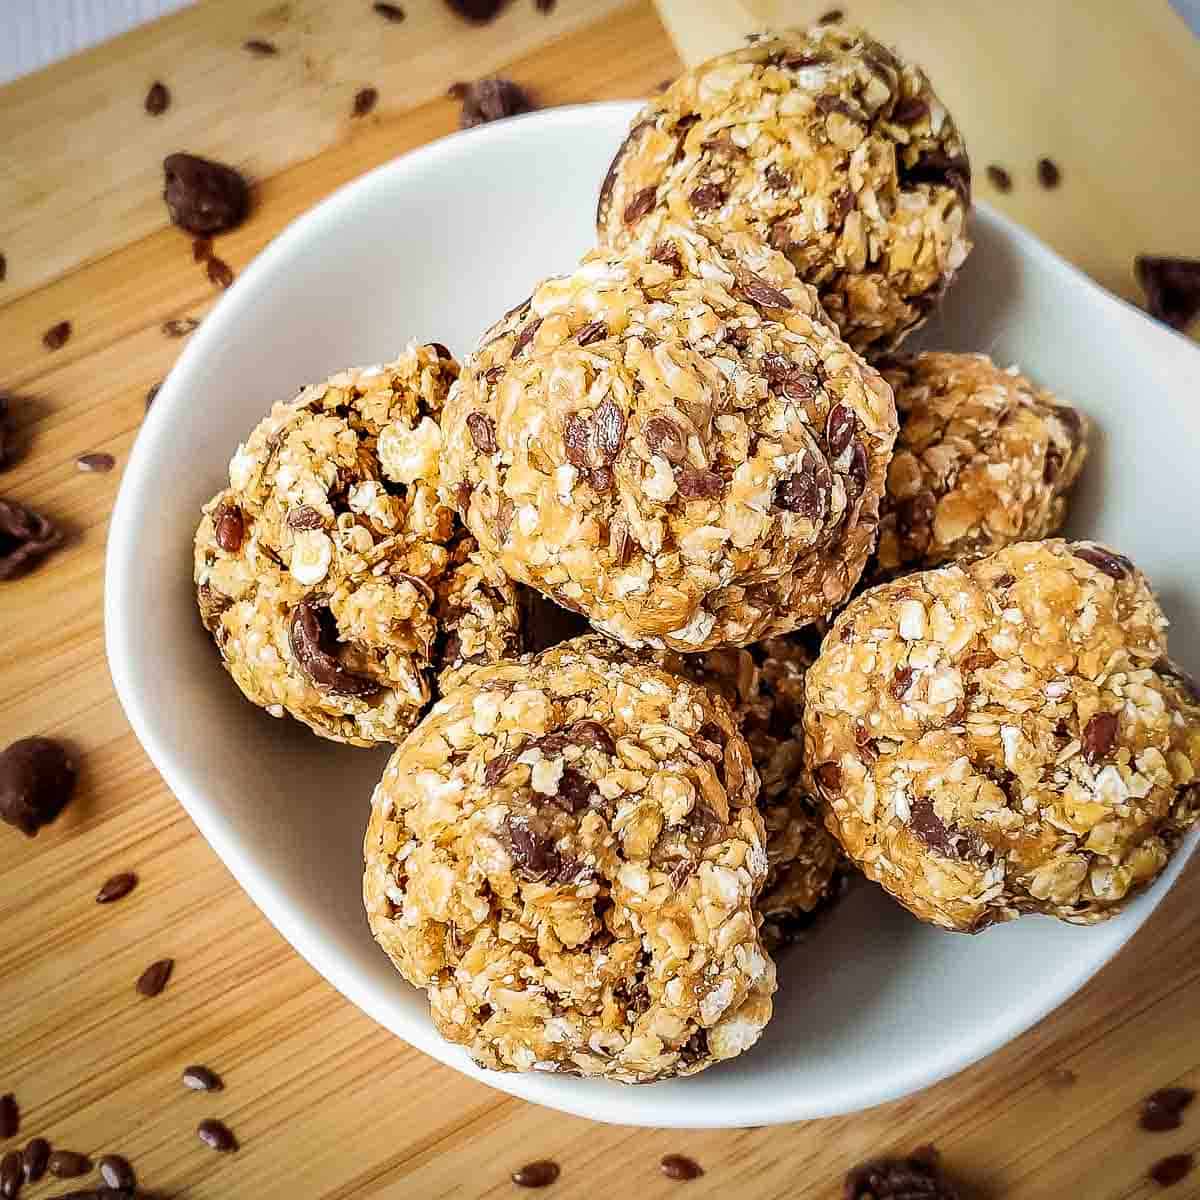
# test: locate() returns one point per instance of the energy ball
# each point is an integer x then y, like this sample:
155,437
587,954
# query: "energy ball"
764,685
677,445
335,582
984,459
565,854
1006,736
823,143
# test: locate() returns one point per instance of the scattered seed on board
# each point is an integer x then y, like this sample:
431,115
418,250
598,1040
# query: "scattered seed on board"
158,99
151,394
538,1174
182,326
201,1079
10,1116
390,12
154,978
1049,176
57,336
1000,179
11,1175
1163,1110
34,1158
1170,1170
217,1136
67,1164
364,101
680,1167
96,461
261,49
117,1173
116,887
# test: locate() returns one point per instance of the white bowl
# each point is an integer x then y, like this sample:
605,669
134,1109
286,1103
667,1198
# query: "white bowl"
433,247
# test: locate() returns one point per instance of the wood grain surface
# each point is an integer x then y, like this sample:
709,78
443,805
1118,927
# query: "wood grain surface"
324,1103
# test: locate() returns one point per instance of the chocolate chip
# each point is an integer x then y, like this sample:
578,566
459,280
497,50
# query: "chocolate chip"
10,1175
150,394
608,423
116,887
839,429
34,1158
57,336
910,109
492,100
476,10
593,331
219,272
576,440
154,978
117,1173
667,253
918,1177
483,432
365,100
538,1174
601,480
37,777
575,790
640,205
999,178
930,828
664,437
312,636
806,491
229,527
1162,1110
216,1135
495,770
158,99
679,1167
1049,176
10,1115
902,679
1171,1170
758,291
1172,287
1115,566
96,461
180,327
201,1079
389,12
777,180
699,485
938,169
1099,734
829,777
201,249
260,49
707,196
592,733
202,196
305,517
534,854
66,1164
527,336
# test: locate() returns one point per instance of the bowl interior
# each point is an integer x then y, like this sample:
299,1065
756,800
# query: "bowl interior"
434,246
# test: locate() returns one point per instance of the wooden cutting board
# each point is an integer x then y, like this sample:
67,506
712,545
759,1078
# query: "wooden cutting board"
326,1104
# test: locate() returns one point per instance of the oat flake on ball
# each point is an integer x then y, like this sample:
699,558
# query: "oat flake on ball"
335,582
565,854
676,444
1006,736
827,145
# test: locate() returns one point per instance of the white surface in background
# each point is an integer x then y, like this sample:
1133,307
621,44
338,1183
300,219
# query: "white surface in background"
36,32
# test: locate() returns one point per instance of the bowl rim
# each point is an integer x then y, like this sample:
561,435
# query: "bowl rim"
605,1102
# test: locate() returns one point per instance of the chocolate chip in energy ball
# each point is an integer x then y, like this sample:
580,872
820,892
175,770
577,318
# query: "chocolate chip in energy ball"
202,196
1163,1110
1099,734
918,1177
216,1135
312,635
488,100
1115,566
229,527
680,1167
1172,287
37,777
539,1174
158,99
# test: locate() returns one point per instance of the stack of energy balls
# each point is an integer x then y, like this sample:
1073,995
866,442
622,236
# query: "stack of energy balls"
692,452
